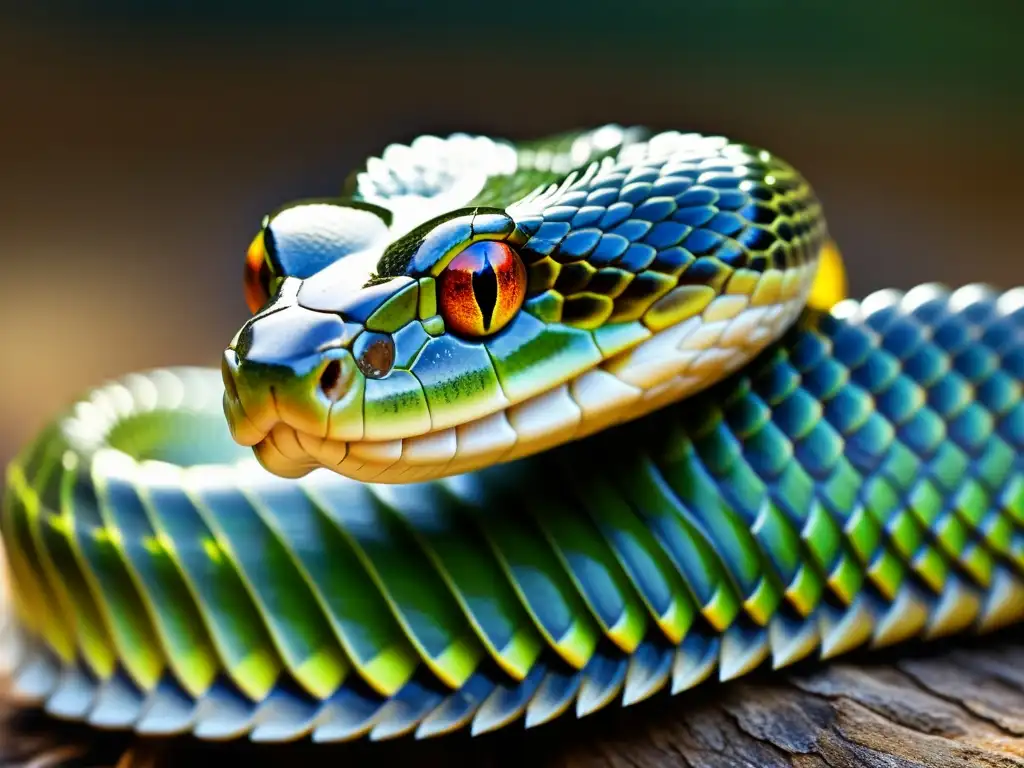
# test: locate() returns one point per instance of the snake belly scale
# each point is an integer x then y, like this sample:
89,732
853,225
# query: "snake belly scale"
515,430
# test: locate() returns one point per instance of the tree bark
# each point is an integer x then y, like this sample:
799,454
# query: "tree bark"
951,705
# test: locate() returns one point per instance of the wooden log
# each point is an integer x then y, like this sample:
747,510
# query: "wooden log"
942,705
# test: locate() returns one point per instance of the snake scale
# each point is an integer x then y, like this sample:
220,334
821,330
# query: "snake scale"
588,422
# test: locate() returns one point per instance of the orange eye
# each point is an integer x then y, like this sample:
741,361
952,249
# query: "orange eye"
481,289
257,275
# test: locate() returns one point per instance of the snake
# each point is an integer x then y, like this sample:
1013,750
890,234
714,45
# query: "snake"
515,429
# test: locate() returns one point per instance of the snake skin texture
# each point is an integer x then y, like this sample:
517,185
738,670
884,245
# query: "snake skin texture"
861,482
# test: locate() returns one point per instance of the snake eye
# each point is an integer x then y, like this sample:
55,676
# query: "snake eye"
481,289
257,275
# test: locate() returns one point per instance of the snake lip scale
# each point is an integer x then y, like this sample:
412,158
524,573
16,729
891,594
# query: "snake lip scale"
516,429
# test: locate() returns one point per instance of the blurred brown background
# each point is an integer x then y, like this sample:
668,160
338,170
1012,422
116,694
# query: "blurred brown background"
140,143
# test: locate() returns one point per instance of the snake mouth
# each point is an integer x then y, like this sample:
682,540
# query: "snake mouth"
243,430
248,421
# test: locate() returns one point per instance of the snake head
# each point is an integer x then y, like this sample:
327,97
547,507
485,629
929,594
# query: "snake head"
394,353
326,363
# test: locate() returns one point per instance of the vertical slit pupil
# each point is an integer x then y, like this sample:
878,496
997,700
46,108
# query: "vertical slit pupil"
485,289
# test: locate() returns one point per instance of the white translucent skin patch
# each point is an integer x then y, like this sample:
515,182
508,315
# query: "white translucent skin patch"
432,175
670,365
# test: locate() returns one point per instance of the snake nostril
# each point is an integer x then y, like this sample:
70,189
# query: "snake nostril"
330,381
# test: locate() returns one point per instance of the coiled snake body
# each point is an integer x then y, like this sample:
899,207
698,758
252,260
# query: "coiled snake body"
588,443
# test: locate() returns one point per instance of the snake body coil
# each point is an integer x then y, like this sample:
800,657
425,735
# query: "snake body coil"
607,452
